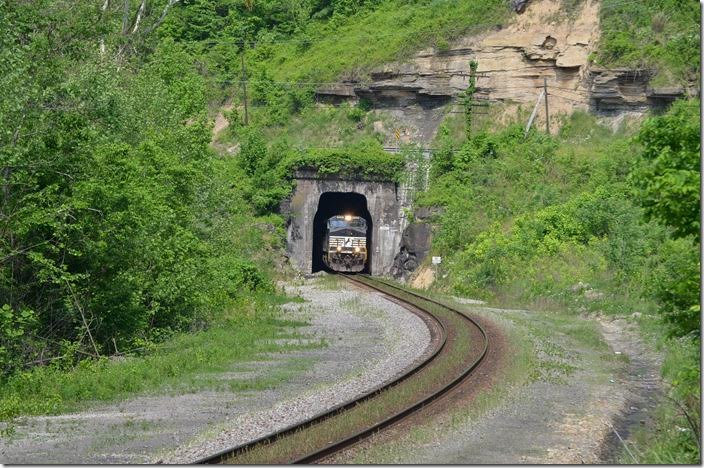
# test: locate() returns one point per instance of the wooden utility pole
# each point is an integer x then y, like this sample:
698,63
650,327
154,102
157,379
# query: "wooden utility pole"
547,109
244,85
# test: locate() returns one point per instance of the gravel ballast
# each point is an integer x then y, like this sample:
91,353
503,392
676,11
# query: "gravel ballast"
370,340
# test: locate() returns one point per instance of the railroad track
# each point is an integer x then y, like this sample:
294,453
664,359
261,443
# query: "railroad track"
460,346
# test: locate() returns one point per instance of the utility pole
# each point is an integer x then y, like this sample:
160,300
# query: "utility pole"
244,85
547,109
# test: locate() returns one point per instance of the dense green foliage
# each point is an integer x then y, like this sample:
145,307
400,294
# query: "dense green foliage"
587,220
118,225
668,177
667,185
662,35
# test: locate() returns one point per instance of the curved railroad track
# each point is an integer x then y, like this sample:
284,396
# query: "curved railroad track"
460,346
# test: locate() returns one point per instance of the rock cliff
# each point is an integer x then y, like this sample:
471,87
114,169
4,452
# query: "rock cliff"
540,43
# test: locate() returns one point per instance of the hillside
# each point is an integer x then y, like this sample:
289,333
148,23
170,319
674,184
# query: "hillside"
147,149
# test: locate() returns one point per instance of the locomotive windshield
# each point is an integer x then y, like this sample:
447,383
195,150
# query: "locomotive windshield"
345,243
347,226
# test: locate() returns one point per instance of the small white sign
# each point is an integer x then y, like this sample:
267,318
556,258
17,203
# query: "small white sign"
437,260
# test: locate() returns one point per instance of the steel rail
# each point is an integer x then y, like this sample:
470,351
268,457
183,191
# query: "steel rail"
226,454
364,434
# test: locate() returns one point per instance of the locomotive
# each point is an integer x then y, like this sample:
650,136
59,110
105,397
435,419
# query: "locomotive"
345,243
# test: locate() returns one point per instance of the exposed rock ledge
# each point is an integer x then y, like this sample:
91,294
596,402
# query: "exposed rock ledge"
513,61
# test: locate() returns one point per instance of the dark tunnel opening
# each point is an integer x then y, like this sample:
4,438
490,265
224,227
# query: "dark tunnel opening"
333,204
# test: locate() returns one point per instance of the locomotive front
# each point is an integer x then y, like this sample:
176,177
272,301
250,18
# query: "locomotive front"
345,244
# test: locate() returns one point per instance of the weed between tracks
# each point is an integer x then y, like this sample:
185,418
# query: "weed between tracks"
393,400
513,376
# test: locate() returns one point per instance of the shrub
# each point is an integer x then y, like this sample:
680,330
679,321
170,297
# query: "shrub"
674,281
667,176
356,114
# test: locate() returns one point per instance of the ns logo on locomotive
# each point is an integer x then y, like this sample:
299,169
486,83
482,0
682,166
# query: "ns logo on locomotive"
345,243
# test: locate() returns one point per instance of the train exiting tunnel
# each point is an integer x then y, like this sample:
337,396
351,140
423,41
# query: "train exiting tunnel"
339,203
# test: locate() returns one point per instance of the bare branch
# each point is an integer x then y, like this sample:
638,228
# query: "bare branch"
138,19
83,317
162,17
690,420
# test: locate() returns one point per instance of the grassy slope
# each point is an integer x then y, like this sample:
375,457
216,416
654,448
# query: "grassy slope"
393,30
497,201
658,34
662,34
183,363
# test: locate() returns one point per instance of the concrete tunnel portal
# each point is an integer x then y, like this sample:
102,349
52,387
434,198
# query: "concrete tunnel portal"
316,197
339,203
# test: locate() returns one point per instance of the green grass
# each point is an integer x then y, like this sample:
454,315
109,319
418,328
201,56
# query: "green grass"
662,35
512,376
394,30
326,126
185,363
670,439
541,346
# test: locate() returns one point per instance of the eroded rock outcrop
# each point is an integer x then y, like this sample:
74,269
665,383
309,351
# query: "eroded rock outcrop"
612,91
541,43
415,246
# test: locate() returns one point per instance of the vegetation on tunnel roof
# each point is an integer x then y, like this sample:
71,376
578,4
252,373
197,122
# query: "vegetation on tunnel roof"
363,160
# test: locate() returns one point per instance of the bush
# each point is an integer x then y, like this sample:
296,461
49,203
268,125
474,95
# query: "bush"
667,176
356,114
16,328
674,282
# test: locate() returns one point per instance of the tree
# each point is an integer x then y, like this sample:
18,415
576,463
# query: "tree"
666,178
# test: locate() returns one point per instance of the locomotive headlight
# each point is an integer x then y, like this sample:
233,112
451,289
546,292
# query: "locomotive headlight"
356,249
339,249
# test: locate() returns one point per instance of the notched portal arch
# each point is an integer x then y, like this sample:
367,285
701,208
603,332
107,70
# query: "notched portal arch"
339,203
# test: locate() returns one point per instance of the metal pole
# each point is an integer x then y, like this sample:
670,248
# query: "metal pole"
547,109
244,85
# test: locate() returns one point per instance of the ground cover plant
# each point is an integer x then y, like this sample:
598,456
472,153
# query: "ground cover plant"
544,347
184,363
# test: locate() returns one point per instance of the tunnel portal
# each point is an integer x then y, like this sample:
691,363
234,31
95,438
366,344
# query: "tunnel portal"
339,203
318,197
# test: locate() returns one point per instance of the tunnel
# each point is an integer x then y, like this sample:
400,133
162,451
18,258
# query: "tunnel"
338,203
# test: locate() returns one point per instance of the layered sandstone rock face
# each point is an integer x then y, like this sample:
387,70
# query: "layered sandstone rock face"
540,43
